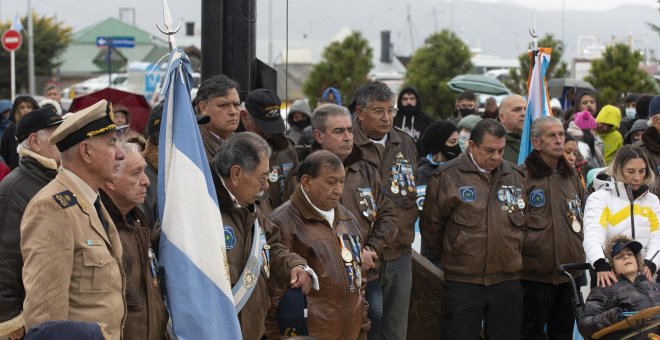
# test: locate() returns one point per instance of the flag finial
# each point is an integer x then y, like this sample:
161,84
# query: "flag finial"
532,32
167,19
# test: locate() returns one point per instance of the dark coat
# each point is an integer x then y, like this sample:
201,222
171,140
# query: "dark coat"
150,205
651,144
425,170
550,239
413,123
146,315
604,305
16,190
8,145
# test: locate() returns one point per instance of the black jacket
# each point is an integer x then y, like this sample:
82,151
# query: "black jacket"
8,146
413,123
425,170
604,305
16,190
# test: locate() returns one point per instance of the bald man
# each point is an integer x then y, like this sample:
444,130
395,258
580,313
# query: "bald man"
512,116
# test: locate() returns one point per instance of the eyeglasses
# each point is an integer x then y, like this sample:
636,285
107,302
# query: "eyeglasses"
262,180
381,112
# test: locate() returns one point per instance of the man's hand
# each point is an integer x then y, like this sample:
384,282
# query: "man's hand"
300,279
369,258
605,279
17,334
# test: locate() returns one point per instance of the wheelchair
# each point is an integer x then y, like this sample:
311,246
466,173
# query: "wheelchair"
637,326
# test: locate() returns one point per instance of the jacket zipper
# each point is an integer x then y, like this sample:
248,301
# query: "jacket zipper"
632,218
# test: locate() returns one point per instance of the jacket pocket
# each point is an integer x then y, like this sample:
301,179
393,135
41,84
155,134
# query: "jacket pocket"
466,218
517,219
95,275
538,222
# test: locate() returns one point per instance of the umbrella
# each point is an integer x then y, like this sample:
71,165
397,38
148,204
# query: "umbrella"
477,84
556,86
135,103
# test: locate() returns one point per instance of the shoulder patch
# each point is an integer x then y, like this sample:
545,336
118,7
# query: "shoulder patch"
230,237
467,193
537,198
65,199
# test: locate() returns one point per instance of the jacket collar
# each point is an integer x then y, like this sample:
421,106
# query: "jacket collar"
539,169
121,221
466,164
360,137
308,212
46,162
624,191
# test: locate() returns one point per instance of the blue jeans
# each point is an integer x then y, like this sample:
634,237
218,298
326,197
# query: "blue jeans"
396,282
374,295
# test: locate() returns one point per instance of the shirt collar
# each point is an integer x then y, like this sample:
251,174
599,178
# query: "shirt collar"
233,198
477,165
381,141
329,215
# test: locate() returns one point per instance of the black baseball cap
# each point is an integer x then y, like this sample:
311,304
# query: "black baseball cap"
635,246
37,120
264,106
291,313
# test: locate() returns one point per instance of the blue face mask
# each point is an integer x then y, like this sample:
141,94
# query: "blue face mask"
631,112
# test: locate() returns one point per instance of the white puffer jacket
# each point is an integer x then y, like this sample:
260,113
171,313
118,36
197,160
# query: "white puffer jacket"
608,212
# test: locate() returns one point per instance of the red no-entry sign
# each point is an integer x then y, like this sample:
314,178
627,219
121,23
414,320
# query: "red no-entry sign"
11,40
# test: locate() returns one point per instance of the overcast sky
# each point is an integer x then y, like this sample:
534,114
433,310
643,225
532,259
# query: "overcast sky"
82,13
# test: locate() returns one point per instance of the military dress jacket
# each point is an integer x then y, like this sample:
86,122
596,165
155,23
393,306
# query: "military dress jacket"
72,267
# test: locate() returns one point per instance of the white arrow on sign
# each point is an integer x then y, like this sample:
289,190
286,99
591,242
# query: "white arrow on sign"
10,40
102,42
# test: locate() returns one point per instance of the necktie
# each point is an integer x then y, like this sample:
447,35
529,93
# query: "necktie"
97,206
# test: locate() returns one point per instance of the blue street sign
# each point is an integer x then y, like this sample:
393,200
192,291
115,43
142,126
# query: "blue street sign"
117,42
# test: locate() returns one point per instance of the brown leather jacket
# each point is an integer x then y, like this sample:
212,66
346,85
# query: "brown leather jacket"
399,150
651,145
474,231
241,222
337,310
362,188
283,160
211,142
146,315
552,238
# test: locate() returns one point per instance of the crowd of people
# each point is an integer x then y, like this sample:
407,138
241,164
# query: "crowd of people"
320,209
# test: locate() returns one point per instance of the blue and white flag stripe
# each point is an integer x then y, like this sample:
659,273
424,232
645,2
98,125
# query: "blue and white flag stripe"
192,246
538,101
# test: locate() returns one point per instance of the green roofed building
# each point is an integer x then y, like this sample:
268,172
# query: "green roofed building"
83,59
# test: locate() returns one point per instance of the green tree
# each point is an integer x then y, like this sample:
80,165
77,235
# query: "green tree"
50,38
655,27
345,66
617,73
443,56
517,81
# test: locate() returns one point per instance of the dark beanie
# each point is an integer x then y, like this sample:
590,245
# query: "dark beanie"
436,135
642,106
654,106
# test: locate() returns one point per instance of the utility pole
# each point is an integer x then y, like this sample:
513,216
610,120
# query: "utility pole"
30,51
410,30
270,32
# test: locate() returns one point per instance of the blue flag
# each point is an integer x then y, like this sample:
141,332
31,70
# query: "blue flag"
192,243
538,101
16,24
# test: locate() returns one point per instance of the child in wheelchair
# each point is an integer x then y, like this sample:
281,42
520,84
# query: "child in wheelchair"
631,293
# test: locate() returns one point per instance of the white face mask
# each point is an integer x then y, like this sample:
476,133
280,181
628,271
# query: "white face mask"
464,135
631,112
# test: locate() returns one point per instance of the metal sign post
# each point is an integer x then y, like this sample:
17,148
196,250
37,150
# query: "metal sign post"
11,41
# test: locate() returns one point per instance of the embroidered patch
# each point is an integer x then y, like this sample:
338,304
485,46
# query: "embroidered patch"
230,237
467,193
65,199
421,195
537,198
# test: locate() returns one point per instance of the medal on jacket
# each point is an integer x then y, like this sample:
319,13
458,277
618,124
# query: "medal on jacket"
265,253
394,178
369,211
574,207
520,200
346,254
153,263
274,175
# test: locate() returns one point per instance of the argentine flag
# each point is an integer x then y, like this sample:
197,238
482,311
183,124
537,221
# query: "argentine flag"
538,100
192,243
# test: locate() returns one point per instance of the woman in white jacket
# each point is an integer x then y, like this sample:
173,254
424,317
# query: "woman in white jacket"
624,206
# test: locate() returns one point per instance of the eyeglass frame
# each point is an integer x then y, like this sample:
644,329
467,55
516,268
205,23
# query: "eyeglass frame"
262,181
381,112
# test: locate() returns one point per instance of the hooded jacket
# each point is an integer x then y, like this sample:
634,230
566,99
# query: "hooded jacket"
476,233
604,304
611,211
551,239
612,140
16,190
295,132
412,121
651,145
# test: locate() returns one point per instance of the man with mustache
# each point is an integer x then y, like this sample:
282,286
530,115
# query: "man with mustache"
240,173
146,316
218,98
333,131
71,248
